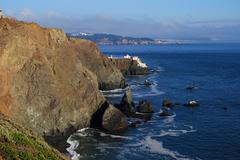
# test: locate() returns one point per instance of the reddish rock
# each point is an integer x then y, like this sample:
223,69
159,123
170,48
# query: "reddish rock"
47,82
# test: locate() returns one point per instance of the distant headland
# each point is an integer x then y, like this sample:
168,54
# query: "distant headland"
111,39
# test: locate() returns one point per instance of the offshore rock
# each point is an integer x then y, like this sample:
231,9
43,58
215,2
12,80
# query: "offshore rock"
168,103
145,106
114,120
127,105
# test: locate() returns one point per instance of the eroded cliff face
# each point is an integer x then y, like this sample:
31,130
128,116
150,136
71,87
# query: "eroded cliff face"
109,77
47,82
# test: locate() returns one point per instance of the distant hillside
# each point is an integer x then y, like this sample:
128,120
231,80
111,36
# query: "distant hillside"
111,39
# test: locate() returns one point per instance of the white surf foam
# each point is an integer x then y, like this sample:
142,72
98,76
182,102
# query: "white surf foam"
114,136
89,132
155,146
174,133
71,149
114,90
154,91
150,94
114,93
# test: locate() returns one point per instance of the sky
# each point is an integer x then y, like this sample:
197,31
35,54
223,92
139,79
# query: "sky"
215,20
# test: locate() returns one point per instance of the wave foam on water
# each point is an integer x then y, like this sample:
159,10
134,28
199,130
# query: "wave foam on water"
71,149
154,146
174,133
114,90
114,93
153,92
114,136
89,132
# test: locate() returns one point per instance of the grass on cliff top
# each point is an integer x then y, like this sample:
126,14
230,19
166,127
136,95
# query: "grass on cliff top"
15,144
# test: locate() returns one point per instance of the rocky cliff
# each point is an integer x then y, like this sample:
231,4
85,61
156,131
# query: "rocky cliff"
109,77
50,83
129,66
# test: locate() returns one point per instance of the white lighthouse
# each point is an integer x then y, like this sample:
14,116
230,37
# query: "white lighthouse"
1,14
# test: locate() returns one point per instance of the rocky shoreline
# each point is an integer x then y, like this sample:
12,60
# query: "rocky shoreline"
51,83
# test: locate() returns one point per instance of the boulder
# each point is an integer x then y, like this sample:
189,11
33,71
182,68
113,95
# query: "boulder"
114,120
127,105
145,106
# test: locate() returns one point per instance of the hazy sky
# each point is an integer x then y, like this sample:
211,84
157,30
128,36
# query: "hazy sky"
178,19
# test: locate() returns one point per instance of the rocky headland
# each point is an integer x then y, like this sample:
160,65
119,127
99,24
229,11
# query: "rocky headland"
50,83
130,65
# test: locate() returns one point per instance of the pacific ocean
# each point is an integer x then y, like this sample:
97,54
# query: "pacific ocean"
209,132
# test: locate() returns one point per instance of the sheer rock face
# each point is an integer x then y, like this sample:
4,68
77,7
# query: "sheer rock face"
44,84
109,77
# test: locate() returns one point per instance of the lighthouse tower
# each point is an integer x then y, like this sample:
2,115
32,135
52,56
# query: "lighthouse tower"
1,13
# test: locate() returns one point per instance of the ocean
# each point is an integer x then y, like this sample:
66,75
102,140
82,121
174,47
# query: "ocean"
208,132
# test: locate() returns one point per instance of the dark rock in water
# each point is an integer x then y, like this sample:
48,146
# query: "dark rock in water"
191,87
225,108
168,103
165,114
127,105
147,83
145,107
192,103
114,120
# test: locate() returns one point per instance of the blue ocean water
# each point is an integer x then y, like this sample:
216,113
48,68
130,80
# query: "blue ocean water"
208,132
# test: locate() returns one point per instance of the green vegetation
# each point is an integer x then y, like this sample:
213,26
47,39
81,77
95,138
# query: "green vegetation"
17,143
